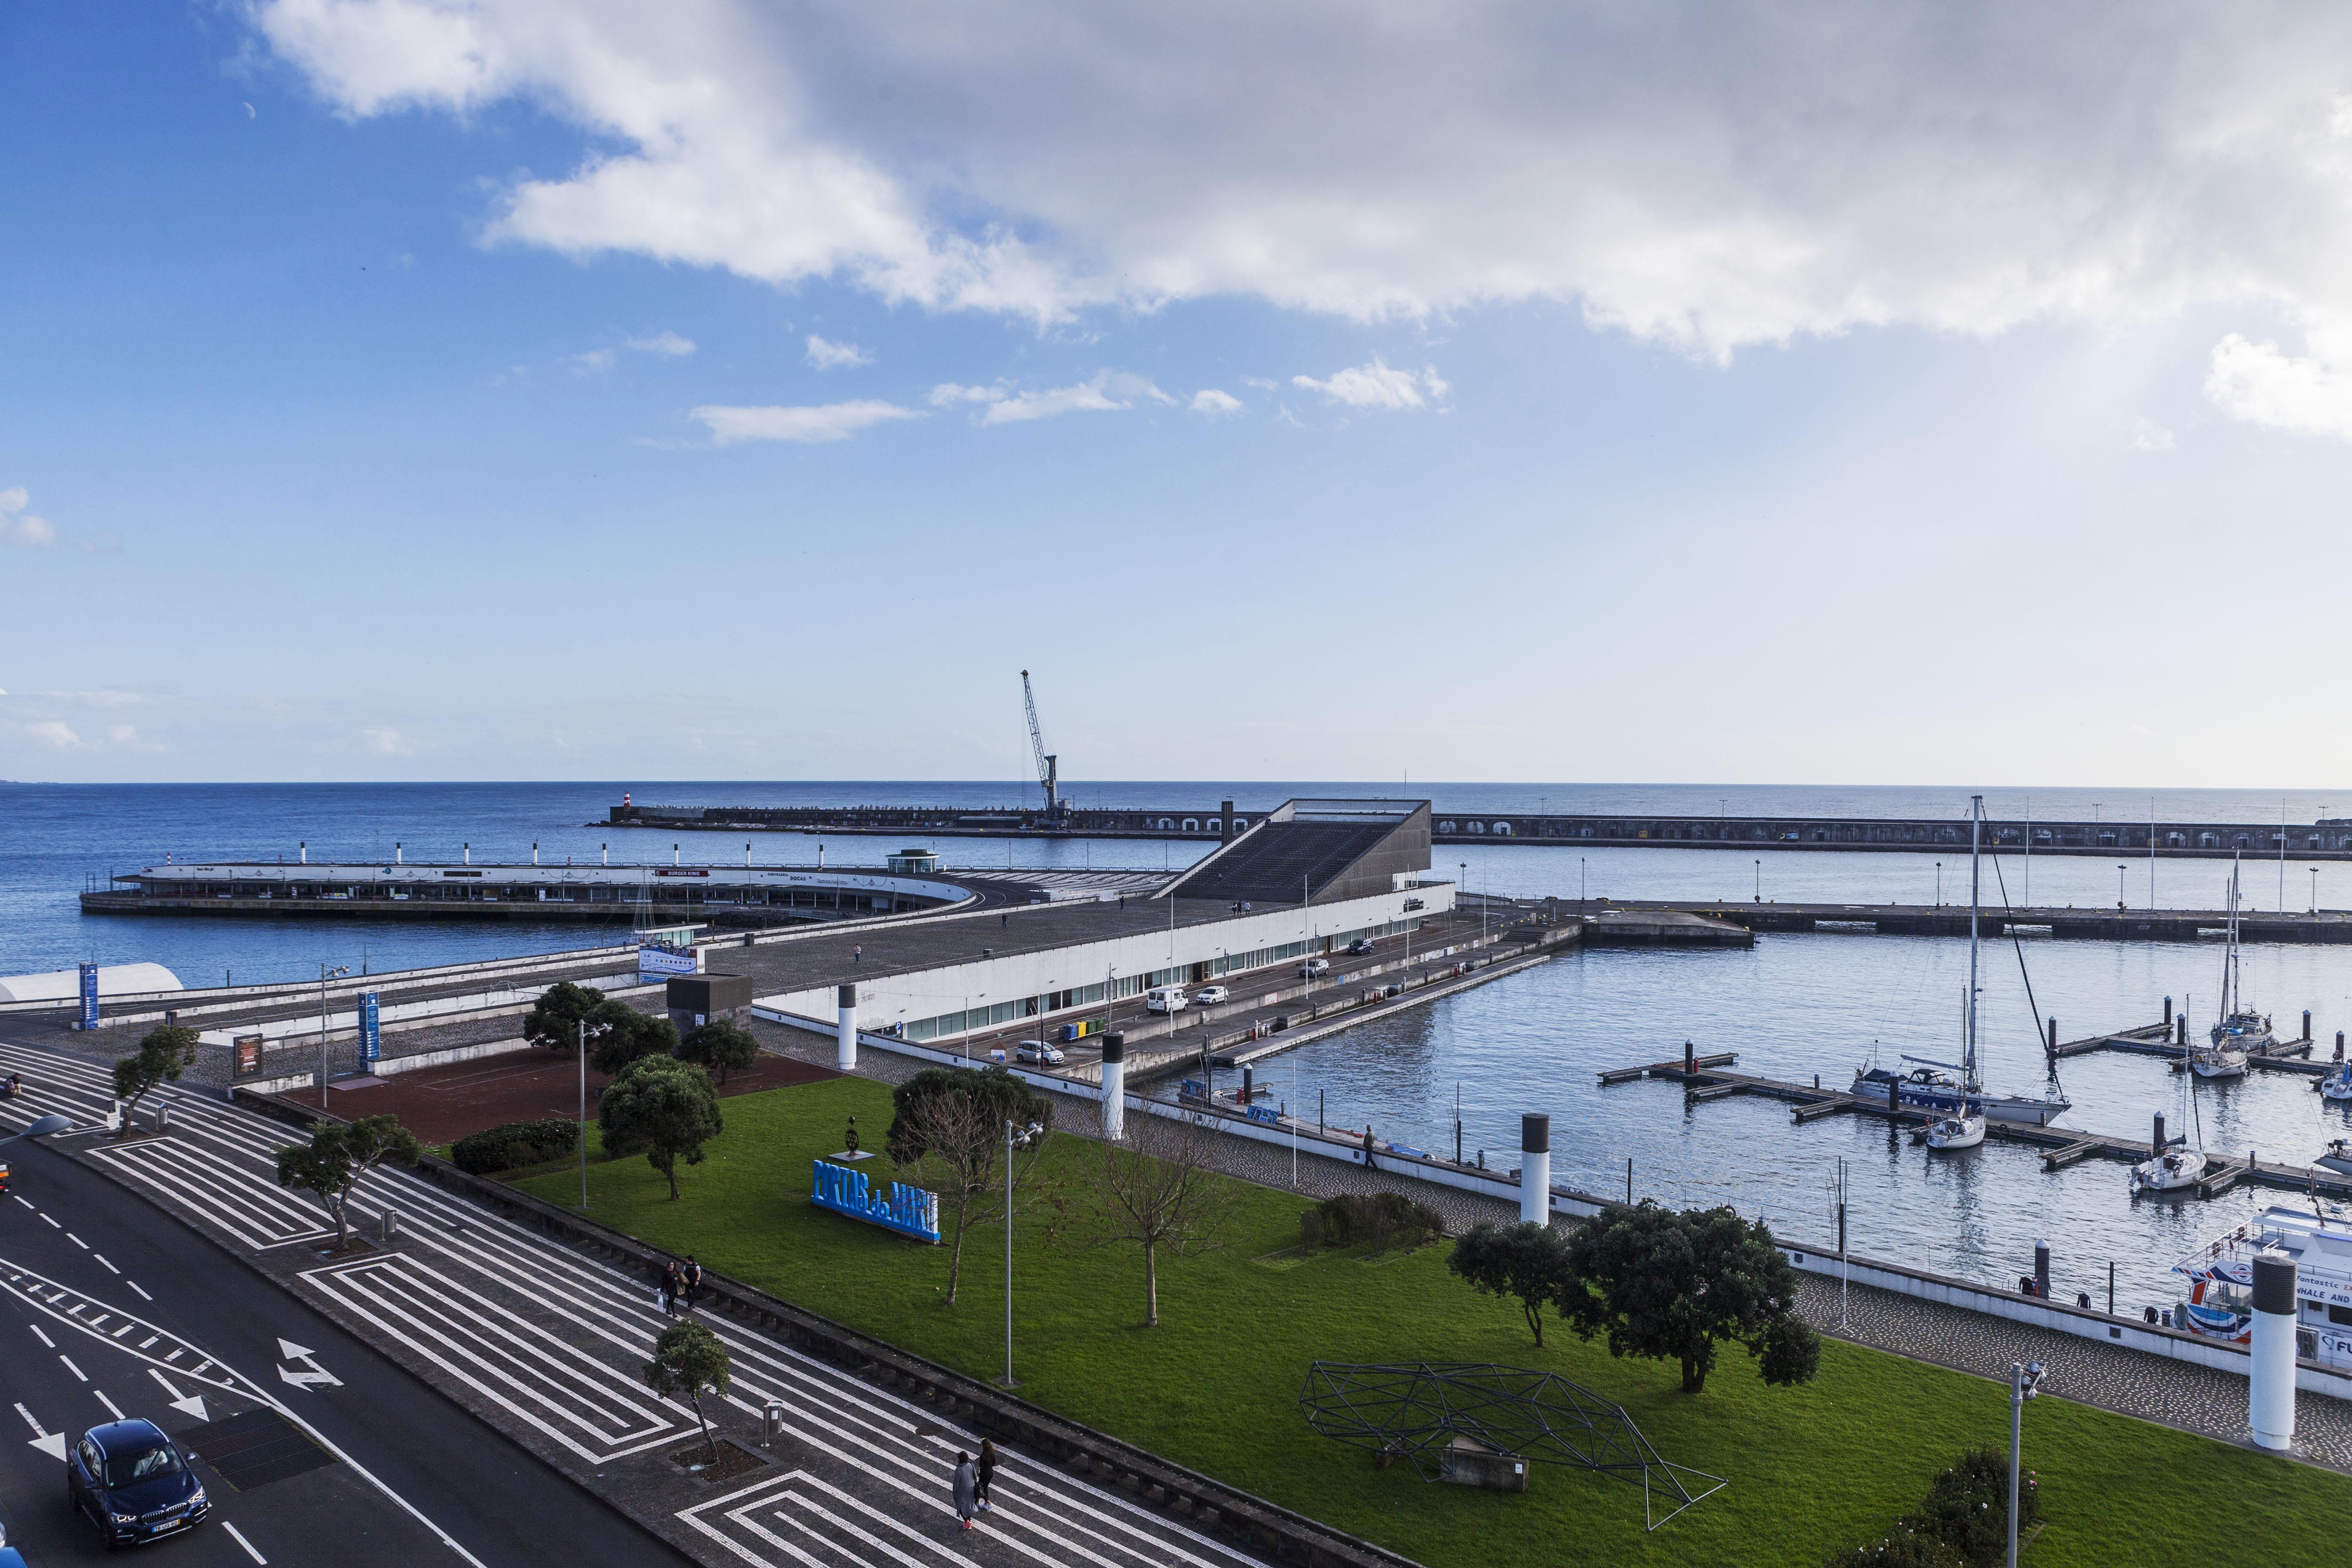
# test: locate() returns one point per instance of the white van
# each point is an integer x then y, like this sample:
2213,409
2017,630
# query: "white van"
1166,999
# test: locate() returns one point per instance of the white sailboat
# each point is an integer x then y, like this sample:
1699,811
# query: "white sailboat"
2338,1084
2240,1029
2172,1164
1963,1126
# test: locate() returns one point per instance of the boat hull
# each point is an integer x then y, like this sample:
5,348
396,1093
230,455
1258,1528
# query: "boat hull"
1935,1100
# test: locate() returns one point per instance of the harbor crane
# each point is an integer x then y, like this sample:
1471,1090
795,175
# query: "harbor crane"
1049,767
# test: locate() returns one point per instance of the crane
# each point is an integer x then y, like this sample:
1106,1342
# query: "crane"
1049,770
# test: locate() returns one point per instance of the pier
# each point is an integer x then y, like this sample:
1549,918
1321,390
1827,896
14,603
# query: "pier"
2066,923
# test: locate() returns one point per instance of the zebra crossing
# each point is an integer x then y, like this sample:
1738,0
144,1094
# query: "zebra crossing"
549,1341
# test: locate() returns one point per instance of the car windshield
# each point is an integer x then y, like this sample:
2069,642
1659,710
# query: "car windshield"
124,1470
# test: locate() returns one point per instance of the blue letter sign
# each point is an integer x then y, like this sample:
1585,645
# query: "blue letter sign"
370,1042
909,1211
89,996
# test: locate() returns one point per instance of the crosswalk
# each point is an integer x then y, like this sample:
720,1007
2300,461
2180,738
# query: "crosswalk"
547,1343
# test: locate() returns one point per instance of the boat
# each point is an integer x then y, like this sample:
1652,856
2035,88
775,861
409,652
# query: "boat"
2218,1302
2173,1164
1963,1126
2338,1160
2336,1084
2241,1032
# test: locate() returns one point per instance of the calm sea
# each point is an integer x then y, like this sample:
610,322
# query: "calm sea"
1792,1007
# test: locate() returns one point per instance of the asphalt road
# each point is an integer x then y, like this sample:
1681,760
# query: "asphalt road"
419,1481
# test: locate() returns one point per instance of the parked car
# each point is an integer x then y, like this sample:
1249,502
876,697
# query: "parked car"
1314,966
1166,999
1211,995
1040,1052
133,1482
1361,945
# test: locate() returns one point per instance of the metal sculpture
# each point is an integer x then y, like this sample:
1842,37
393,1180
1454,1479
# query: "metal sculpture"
1418,1412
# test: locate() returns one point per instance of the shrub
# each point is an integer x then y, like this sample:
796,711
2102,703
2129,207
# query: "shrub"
1962,1523
1384,1219
515,1145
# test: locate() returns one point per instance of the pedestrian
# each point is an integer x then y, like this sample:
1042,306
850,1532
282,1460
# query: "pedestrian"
1368,1148
967,1486
693,1277
857,953
669,1289
986,1476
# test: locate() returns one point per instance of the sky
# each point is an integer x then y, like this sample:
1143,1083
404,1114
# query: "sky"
1773,392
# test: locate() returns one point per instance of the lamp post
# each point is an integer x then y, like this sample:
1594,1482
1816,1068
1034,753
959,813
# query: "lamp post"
2025,1383
1013,1140
325,975
1940,884
2120,890
583,1115
1760,882
2315,890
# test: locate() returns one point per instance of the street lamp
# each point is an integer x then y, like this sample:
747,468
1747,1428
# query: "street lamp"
2315,890
2120,890
1940,884
2025,1383
41,1128
1760,882
1012,1139
325,975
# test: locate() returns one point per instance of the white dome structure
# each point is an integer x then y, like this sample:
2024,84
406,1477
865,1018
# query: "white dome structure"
64,984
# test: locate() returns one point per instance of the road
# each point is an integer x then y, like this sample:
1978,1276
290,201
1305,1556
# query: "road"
541,1343
108,1305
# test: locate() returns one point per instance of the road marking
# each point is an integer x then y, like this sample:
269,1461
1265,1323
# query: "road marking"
20,1199
42,1337
194,1403
36,1425
122,1330
78,1241
71,1368
111,1408
53,1444
150,1342
48,1221
238,1536
110,1268
177,1353
142,1295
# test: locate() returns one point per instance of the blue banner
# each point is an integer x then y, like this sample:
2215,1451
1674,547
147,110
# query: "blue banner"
89,996
909,1211
371,1043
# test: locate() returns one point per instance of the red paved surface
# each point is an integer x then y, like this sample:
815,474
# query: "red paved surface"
443,1104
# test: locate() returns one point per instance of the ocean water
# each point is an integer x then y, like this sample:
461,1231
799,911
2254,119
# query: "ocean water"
1792,1007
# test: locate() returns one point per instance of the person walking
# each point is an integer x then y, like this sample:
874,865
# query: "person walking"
1368,1148
967,1486
986,1474
691,1277
669,1289
857,953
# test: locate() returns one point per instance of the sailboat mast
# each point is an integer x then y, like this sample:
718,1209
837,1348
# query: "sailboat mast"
1976,833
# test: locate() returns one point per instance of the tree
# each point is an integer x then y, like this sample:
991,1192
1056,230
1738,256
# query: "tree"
662,1108
949,1126
1527,1260
1673,1285
1152,1187
339,1156
690,1359
618,1035
555,1018
165,1052
721,1043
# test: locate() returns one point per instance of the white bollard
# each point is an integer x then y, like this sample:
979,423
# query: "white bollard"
1535,1170
2270,1390
845,1053
1114,1086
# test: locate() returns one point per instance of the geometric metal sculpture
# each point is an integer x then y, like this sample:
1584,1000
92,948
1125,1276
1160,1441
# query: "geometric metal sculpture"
1429,1413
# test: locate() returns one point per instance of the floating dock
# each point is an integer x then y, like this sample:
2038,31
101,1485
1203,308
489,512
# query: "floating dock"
1952,920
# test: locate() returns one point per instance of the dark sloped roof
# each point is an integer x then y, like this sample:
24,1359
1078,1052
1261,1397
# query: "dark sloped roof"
1280,859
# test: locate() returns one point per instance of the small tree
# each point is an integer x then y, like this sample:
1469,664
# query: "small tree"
1673,1285
1528,1261
721,1043
662,1108
1152,1187
691,1361
950,1127
338,1157
618,1035
555,1018
165,1052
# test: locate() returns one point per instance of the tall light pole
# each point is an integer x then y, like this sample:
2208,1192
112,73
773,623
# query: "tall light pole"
1940,884
1012,1142
583,1115
2119,889
2315,890
1760,882
2025,1383
325,975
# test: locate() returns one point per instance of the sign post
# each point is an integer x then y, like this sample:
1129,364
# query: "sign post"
370,1042
89,996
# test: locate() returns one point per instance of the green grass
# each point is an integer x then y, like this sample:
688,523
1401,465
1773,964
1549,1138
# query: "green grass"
1216,1386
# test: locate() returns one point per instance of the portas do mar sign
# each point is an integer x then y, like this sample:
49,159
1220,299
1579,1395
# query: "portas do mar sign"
909,1211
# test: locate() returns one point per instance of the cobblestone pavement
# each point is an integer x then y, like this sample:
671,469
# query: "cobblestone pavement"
2173,1393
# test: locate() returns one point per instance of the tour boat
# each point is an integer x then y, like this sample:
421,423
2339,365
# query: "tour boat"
2218,1302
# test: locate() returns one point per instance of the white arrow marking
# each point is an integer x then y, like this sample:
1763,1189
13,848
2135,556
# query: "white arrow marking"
310,1379
53,1444
194,1404
289,1350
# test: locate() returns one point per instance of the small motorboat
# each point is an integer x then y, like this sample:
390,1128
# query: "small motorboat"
2168,1172
1963,1131
2337,1160
2338,1083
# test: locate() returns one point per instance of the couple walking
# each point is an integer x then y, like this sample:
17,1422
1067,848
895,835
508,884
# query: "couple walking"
973,1481
680,1282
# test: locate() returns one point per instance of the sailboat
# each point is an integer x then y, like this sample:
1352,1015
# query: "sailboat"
1963,1126
2338,1084
2172,1162
2240,1030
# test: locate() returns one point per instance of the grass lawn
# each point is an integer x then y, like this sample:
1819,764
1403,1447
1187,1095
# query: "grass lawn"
1216,1386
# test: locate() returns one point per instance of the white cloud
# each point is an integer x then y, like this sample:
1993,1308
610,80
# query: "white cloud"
832,356
1104,392
2148,435
667,345
826,422
53,732
948,393
1704,176
386,741
2310,394
18,526
1376,386
1211,401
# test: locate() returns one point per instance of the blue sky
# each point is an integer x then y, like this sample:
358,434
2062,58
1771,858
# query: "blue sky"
393,386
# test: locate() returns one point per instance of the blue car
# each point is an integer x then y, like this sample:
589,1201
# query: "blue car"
132,1481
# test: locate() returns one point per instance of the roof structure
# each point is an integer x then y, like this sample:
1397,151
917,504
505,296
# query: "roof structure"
1317,851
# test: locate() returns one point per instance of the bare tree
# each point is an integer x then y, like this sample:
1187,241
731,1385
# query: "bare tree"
1153,1188
949,1136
